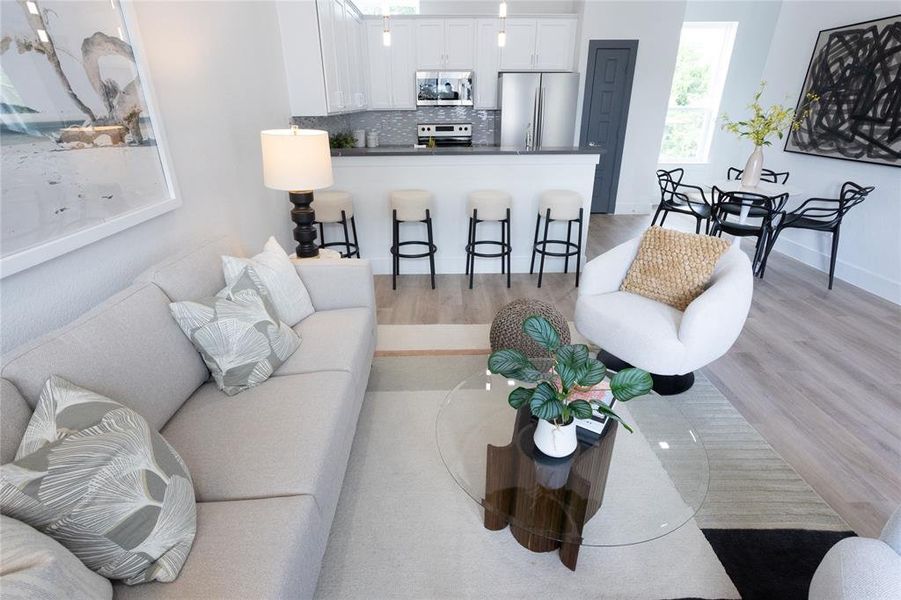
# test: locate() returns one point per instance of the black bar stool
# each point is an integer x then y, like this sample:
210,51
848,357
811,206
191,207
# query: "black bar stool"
489,205
411,206
558,205
337,207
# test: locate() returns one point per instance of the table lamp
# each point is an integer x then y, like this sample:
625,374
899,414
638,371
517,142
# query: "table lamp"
298,161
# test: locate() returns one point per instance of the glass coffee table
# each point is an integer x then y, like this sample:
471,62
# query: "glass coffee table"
618,490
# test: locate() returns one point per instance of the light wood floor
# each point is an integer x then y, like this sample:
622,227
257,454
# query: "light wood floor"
816,372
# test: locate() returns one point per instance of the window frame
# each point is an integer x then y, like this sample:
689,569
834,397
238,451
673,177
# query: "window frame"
716,86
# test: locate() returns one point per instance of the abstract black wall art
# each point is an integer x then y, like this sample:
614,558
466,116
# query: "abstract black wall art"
856,72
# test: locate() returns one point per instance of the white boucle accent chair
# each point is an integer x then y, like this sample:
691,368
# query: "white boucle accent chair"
859,568
668,343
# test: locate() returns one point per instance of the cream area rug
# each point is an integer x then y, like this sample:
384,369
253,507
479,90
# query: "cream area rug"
405,529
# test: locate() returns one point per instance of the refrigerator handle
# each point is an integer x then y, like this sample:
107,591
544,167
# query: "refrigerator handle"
540,126
536,120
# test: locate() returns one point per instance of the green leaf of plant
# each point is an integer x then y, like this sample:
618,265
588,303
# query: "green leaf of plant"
630,383
580,409
544,402
568,375
605,410
539,329
592,373
519,396
529,375
574,355
508,363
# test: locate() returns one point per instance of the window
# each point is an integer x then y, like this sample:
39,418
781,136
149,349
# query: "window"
694,102
387,7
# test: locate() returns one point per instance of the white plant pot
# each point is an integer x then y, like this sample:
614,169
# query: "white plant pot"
556,441
750,177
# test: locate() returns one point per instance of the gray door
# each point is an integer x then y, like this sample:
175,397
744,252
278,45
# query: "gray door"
557,112
605,110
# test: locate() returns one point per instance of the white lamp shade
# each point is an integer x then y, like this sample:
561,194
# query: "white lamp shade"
296,159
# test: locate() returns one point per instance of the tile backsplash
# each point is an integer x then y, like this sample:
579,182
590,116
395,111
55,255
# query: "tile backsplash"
398,127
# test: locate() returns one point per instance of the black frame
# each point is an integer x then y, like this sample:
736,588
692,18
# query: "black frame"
801,96
630,78
396,244
505,248
572,248
352,248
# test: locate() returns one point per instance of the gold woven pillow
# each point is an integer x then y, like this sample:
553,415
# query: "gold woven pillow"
673,267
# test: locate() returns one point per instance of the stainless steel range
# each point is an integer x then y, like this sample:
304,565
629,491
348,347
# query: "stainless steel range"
445,134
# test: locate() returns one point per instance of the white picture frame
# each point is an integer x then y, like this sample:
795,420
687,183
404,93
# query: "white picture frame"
169,200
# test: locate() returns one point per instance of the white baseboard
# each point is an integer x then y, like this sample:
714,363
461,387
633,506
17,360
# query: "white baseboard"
634,208
855,275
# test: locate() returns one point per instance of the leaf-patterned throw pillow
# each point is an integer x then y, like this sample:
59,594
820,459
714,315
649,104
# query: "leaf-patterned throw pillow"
237,333
93,475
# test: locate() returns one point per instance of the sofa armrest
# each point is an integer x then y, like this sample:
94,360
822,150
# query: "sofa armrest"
715,319
338,283
604,274
891,533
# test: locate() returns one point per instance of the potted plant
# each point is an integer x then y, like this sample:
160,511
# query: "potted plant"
572,371
762,125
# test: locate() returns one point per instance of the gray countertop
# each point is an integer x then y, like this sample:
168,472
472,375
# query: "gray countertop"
458,151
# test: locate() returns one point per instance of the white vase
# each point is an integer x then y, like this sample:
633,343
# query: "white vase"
554,440
750,177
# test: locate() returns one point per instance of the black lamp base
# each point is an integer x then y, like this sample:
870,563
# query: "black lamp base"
304,217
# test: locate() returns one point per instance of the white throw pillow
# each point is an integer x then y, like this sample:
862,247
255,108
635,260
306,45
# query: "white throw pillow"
287,292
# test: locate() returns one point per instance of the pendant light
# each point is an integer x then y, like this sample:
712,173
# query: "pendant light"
502,34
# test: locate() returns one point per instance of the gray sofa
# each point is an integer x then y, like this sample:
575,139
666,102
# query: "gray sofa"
268,463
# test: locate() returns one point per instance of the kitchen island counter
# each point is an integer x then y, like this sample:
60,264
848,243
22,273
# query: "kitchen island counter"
460,151
370,175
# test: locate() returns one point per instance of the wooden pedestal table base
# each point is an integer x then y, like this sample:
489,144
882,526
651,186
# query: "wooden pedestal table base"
545,501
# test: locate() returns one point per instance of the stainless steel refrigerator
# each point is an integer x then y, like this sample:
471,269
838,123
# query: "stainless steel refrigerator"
538,110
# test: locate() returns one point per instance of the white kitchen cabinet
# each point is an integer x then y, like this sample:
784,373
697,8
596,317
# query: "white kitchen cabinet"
487,62
429,44
379,58
328,11
542,44
555,44
445,44
518,54
459,44
392,69
403,65
356,62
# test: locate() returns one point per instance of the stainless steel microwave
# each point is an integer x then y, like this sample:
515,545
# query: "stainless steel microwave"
444,88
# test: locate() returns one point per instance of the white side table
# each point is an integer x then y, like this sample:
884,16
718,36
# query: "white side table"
323,253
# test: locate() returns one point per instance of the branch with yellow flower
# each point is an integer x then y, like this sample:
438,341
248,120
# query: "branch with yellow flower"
774,120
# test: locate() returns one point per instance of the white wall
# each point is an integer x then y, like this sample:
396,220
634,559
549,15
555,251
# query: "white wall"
656,26
756,23
870,252
219,79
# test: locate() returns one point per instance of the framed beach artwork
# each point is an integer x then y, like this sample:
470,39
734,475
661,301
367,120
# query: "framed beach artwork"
856,72
83,149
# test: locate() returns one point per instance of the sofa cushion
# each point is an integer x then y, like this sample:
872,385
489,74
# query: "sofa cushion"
672,266
290,435
265,549
128,348
14,416
286,290
93,475
638,330
33,565
336,340
237,332
194,274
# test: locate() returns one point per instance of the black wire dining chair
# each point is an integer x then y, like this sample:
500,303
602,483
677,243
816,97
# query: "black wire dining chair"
727,208
820,214
683,198
765,175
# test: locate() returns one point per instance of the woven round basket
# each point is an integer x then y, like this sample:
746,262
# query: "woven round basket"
506,329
